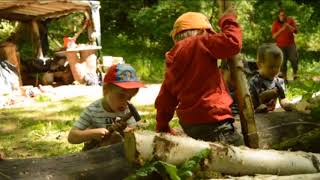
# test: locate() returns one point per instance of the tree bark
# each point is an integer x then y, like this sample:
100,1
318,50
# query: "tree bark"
247,115
101,163
276,127
143,146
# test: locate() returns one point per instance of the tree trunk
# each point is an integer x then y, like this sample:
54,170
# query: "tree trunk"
142,146
276,127
101,163
37,48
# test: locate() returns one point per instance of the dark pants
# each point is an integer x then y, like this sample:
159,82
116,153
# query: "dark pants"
289,52
222,131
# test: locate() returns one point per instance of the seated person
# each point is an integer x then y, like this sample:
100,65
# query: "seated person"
103,121
266,87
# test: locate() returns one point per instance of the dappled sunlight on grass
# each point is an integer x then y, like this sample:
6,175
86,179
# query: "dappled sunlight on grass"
40,130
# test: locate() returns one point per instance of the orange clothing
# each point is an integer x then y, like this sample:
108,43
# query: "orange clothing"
286,37
191,20
193,85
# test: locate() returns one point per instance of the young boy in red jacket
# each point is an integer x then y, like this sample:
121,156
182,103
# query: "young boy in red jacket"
193,86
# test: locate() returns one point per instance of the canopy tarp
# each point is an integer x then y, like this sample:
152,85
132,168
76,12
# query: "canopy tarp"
24,10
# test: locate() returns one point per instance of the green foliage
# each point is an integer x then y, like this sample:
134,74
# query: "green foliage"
305,85
139,30
6,28
193,164
65,26
186,170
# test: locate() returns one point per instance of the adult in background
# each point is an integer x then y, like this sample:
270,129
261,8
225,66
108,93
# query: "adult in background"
283,30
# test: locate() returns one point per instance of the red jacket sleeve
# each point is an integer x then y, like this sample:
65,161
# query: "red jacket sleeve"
293,24
227,43
165,104
275,28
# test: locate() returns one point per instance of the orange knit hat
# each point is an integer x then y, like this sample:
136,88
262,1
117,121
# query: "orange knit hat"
190,20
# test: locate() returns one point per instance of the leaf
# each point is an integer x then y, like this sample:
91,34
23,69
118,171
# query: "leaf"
168,169
190,165
144,171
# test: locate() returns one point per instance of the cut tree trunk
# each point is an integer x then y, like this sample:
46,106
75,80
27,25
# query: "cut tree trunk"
102,163
142,146
308,142
276,127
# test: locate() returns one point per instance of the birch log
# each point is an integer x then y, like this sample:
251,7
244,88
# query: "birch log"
143,146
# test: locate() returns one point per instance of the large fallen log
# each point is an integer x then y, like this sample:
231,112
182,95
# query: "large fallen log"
276,127
143,146
110,162
102,163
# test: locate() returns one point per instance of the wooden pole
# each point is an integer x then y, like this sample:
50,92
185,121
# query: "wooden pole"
246,110
37,49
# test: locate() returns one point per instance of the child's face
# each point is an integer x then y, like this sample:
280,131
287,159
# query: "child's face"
117,98
270,67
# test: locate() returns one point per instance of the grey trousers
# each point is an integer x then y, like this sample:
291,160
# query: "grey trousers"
291,53
223,132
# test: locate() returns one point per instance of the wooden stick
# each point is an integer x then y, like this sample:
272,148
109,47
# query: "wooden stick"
246,109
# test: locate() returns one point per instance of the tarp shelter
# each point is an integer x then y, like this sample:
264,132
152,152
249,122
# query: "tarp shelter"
41,10
27,10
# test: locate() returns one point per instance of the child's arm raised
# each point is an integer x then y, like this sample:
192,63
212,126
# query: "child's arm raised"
228,42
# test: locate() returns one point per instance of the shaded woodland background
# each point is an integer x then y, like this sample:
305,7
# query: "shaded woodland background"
139,30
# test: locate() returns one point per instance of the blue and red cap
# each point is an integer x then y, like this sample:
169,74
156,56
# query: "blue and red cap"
124,76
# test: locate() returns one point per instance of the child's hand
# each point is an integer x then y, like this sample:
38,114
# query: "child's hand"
99,133
261,109
289,107
129,129
120,125
231,11
268,94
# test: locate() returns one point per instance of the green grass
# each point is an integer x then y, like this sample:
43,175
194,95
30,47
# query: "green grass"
41,130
